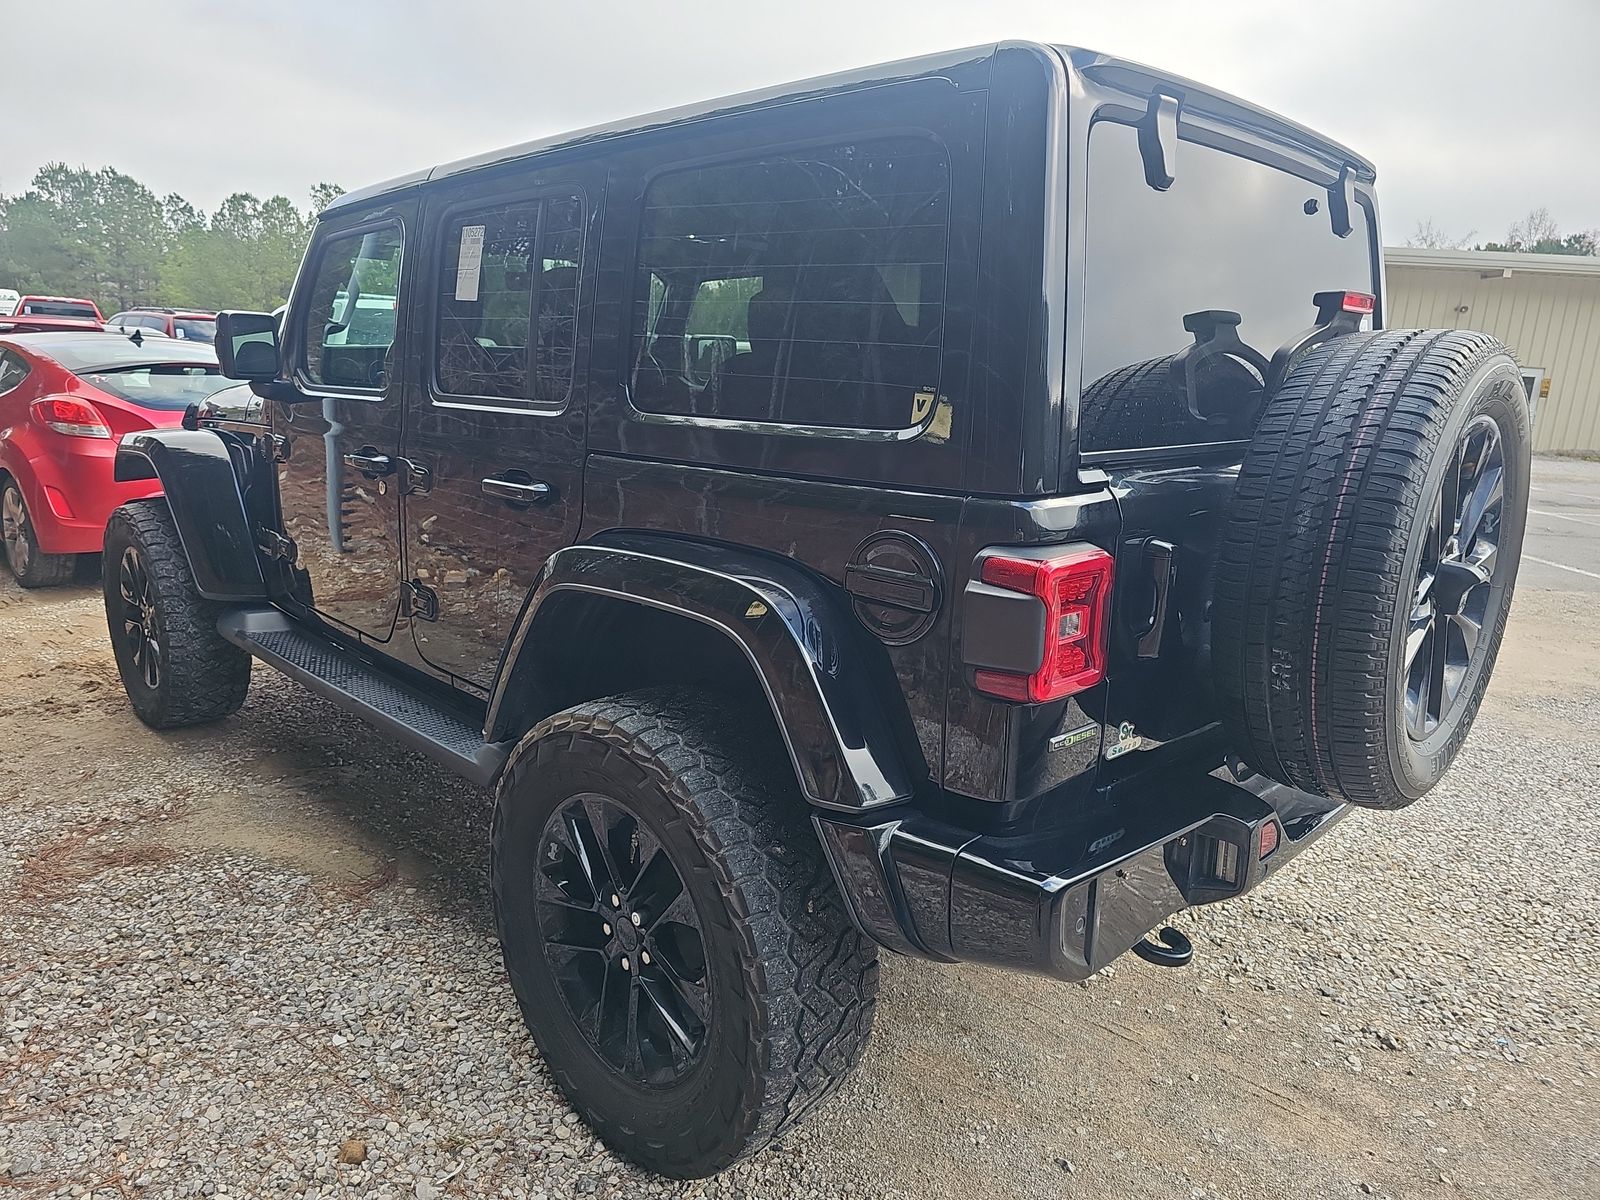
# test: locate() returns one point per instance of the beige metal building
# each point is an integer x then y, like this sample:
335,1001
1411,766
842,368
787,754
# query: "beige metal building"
1546,307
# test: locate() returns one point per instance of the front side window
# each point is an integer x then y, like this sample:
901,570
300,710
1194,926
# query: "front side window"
352,310
508,301
803,288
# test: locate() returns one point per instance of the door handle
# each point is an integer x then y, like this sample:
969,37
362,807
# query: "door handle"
369,462
518,492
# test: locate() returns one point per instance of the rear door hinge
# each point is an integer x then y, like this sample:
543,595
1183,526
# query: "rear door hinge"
419,600
276,545
415,479
279,445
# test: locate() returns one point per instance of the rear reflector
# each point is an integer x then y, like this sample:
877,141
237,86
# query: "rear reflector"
1358,302
1269,839
1075,589
58,503
71,417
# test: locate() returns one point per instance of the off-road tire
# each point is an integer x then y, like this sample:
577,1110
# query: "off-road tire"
30,566
203,676
794,983
1324,542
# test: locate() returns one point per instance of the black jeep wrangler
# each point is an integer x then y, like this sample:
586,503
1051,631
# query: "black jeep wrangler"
968,507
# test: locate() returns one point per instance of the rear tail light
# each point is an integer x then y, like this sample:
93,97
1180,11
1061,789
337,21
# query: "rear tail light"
71,417
1075,590
1267,839
1358,302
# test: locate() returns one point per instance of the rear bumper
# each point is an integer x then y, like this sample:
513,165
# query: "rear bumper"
1064,899
71,495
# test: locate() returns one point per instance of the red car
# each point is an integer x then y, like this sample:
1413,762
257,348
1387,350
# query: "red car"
66,399
170,322
39,324
58,306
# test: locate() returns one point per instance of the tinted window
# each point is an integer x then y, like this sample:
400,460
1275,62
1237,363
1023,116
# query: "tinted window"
1230,234
806,287
162,385
58,308
508,279
194,329
350,317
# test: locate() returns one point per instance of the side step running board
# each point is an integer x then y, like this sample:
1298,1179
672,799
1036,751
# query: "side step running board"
366,690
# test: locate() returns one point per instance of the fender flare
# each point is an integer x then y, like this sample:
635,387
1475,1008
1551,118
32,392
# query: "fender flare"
200,480
800,644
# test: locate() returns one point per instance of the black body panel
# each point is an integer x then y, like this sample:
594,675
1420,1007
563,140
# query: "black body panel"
804,652
200,472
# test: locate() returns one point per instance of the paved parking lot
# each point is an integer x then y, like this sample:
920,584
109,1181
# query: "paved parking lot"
229,955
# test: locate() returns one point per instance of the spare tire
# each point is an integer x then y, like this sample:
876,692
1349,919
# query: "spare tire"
1368,562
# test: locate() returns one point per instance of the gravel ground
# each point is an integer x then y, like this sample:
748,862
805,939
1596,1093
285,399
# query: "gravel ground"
258,960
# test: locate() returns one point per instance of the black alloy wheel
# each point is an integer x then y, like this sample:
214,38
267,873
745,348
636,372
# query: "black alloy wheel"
141,621
176,667
673,934
1369,559
1455,578
622,940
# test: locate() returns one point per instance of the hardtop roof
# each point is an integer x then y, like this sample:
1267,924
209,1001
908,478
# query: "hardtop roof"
969,62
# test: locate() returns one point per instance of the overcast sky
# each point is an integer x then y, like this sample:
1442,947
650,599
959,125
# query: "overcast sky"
1474,110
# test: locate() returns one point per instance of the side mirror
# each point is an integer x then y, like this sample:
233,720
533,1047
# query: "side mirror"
247,345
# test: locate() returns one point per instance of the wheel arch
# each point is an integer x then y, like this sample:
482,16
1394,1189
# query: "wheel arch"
639,610
199,477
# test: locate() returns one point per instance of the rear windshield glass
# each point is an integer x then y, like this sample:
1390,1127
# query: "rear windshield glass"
162,385
1229,234
57,308
194,329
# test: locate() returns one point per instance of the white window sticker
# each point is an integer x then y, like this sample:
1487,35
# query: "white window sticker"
469,263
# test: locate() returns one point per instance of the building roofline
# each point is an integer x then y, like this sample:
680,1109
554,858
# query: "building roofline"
1492,262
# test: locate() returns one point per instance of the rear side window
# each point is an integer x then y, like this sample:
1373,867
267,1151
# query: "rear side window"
1229,234
351,315
804,288
508,301
13,370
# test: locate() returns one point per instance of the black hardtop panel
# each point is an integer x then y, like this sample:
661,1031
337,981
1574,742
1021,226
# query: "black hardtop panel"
1136,81
967,68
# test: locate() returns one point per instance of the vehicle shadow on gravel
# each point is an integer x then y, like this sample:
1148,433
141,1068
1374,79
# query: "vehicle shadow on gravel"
352,808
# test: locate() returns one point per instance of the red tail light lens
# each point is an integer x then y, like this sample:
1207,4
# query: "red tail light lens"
1358,302
71,417
1075,589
